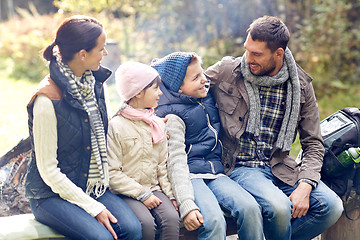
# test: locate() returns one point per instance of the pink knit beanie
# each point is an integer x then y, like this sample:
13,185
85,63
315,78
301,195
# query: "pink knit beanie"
132,77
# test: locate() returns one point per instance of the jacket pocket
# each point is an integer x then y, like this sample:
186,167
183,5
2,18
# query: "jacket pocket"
287,171
128,144
232,109
228,98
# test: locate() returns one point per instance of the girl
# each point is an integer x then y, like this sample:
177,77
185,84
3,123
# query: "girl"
137,149
67,180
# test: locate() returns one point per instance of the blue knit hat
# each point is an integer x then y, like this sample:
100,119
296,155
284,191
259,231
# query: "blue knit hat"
172,69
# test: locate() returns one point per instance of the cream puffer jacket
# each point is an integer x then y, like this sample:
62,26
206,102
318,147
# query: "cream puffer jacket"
135,163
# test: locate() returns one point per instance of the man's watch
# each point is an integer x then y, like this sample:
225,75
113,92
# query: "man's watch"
311,182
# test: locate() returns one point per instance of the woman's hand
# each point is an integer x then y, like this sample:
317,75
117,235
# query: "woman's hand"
104,217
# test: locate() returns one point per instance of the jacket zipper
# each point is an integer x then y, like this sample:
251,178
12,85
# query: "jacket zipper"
212,167
189,149
210,126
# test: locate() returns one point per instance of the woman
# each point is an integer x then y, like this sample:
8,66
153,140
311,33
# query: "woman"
67,181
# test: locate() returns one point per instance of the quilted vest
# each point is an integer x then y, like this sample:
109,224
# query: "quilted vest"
73,131
202,123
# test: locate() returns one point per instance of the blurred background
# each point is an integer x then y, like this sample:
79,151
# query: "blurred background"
325,40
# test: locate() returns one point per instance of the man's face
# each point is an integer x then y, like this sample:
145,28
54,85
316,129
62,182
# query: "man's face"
260,58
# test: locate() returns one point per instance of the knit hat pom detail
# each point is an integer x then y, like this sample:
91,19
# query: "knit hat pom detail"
172,69
132,77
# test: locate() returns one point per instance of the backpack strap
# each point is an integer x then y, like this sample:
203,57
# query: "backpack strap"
350,183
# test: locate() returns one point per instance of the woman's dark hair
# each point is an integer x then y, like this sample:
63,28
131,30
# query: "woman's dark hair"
74,34
270,30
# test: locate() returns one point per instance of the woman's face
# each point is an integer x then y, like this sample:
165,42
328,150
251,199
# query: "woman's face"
94,57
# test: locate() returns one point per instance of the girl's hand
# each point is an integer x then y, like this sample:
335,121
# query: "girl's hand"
104,217
152,202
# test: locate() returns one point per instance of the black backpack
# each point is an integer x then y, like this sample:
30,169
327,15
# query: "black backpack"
341,131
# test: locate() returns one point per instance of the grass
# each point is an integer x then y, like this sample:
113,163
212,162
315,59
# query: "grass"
14,96
16,93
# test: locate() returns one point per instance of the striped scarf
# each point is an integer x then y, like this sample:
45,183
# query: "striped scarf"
83,90
288,73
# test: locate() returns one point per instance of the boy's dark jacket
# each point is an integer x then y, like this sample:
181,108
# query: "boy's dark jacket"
202,123
73,130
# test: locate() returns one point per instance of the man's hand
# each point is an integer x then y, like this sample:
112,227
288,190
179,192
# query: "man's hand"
300,199
104,217
152,202
193,220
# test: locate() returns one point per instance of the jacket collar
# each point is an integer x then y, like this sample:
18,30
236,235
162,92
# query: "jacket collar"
62,82
100,75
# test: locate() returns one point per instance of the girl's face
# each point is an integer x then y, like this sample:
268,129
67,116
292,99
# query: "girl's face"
149,98
194,81
94,57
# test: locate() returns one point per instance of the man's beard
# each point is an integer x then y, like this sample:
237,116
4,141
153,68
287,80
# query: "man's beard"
265,71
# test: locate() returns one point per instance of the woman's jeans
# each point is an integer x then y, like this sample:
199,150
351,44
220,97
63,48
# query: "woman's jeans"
273,197
74,223
214,195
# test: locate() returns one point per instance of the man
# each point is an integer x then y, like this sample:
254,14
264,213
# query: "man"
264,97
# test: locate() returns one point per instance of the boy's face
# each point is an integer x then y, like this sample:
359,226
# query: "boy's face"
194,81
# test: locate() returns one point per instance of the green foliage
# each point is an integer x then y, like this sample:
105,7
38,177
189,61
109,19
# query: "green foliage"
120,8
21,44
13,99
149,29
328,43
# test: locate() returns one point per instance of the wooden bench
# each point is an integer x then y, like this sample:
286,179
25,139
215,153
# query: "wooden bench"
25,226
344,228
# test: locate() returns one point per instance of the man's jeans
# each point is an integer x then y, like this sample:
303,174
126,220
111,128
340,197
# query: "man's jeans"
73,222
272,195
222,193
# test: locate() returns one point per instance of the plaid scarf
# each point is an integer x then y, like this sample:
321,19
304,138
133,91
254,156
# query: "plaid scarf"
83,90
288,73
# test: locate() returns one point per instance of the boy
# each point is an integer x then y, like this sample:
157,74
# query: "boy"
195,169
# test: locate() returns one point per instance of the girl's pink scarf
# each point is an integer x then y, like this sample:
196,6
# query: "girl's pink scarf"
149,118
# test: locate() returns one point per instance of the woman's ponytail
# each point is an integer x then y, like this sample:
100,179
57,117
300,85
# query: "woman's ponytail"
48,51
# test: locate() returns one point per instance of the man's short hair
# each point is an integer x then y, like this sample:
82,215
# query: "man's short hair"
270,30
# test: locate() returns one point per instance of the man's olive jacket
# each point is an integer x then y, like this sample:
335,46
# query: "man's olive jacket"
232,100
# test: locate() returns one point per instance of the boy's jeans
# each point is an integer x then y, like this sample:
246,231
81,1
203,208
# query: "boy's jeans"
272,195
73,222
233,199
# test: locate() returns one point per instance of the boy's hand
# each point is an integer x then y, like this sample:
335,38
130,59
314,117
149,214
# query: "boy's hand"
193,220
152,202
175,204
165,119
